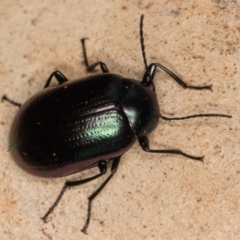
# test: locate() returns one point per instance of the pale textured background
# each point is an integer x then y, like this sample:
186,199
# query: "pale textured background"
151,196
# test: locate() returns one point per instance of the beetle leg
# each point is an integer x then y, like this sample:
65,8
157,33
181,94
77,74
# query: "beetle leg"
144,143
195,116
91,67
5,98
115,163
102,65
102,165
58,75
149,75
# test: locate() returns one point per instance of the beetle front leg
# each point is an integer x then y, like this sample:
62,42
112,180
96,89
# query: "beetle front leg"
91,67
115,163
102,165
150,72
58,75
144,143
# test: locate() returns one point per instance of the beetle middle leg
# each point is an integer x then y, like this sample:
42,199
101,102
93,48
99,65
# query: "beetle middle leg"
195,116
91,67
144,143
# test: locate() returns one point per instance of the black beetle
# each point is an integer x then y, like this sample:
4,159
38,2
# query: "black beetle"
84,123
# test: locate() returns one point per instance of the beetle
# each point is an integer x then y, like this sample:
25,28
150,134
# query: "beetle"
85,123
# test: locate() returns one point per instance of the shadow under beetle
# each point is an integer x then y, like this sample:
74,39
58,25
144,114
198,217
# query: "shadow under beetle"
84,123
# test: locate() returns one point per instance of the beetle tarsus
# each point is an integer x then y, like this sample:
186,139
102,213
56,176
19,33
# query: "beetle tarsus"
142,42
196,116
5,98
207,87
44,218
89,211
84,52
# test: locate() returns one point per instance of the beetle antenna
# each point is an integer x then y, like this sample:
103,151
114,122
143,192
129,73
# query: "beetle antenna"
142,42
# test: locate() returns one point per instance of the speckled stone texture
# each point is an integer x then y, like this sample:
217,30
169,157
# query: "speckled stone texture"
152,196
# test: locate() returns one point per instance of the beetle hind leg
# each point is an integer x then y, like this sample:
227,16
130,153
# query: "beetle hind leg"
5,98
102,165
115,163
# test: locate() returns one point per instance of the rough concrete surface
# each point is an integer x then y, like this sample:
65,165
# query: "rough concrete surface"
152,196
